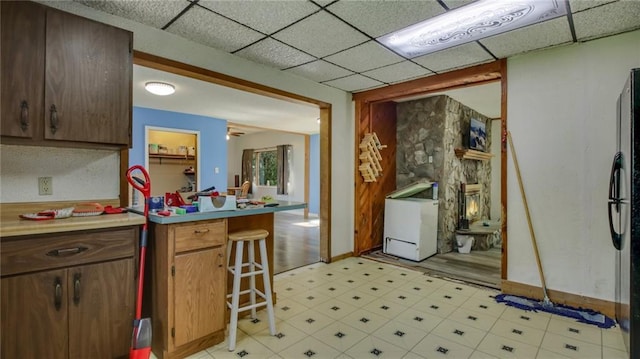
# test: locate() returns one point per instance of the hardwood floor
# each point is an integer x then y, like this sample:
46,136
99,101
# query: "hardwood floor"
478,267
297,241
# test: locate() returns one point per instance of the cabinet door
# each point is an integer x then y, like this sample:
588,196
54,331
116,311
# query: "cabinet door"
199,294
34,315
101,309
88,76
22,67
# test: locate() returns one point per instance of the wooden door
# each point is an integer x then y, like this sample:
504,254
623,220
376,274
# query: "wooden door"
22,67
34,315
199,294
379,118
88,76
101,309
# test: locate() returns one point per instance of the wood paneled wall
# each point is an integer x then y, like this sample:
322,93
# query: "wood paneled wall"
381,119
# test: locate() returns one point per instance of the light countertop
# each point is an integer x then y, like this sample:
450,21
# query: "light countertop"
14,226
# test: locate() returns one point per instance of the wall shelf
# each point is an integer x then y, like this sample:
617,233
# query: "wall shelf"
161,157
468,154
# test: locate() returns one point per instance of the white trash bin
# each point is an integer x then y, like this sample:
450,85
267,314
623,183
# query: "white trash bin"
464,243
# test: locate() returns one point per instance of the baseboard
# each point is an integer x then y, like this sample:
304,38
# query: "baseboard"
341,256
557,297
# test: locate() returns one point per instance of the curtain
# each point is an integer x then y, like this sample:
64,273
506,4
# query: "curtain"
283,153
247,167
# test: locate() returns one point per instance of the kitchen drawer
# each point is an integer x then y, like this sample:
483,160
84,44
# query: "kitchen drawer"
196,235
34,253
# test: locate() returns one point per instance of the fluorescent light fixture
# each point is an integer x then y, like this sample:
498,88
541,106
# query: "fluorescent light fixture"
480,19
160,88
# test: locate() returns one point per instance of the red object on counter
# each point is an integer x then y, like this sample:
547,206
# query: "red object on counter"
174,199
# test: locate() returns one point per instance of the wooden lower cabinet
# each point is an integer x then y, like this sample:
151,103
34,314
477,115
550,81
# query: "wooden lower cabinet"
187,287
68,295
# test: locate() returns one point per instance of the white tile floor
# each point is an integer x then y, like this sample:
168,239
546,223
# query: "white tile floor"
359,308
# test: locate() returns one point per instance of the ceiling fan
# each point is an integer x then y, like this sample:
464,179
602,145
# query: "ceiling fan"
232,132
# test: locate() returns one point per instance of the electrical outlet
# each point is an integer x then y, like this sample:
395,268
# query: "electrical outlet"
45,186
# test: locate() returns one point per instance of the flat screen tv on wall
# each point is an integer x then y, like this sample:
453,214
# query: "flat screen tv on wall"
477,135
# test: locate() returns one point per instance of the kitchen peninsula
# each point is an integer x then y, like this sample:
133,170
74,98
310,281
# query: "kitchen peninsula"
187,275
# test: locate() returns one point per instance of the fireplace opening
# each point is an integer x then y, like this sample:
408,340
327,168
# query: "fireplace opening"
469,204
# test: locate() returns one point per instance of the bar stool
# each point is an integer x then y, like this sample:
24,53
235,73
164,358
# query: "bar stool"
255,268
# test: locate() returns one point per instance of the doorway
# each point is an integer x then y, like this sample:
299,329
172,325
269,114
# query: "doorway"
369,213
296,237
171,157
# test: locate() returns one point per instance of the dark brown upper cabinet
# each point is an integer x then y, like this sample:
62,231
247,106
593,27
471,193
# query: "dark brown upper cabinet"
66,80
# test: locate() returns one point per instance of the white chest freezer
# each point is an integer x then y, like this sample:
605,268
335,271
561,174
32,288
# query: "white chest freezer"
411,225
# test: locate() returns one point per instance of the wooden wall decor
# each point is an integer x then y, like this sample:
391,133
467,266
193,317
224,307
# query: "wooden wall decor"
468,154
370,158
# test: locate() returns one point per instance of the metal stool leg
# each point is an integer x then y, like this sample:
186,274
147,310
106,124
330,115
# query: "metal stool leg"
235,296
267,285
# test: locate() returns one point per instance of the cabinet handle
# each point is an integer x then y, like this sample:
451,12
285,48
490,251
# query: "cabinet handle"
220,256
24,115
66,252
76,288
57,293
54,119
201,231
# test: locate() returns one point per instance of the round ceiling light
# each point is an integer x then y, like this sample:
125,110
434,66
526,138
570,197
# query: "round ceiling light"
160,88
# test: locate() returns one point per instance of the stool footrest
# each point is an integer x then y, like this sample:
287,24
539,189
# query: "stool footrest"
258,292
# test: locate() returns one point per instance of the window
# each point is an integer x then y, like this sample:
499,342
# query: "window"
266,163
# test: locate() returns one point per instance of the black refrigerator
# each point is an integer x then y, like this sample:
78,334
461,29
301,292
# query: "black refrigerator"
624,213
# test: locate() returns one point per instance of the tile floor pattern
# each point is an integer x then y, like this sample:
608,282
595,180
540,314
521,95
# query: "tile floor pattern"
359,308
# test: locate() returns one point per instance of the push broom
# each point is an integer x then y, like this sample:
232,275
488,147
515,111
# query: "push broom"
582,315
141,338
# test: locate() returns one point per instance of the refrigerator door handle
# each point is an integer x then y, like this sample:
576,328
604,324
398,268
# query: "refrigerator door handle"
614,178
614,198
616,237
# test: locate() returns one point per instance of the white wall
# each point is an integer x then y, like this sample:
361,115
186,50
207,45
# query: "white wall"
266,140
164,44
561,113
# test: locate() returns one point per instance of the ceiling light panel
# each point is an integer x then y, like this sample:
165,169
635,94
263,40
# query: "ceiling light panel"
320,34
320,71
606,20
152,13
274,53
472,22
354,83
204,27
457,57
398,72
377,18
550,33
367,56
259,15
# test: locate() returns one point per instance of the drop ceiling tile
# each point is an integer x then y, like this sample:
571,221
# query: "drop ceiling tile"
546,34
320,71
377,18
274,53
152,13
398,72
452,4
455,57
367,56
320,34
606,20
264,16
580,5
354,83
205,27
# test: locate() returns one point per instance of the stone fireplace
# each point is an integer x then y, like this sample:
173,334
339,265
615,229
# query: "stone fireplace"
428,132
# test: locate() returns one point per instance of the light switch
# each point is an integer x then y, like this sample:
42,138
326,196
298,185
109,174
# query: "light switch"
216,170
430,159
